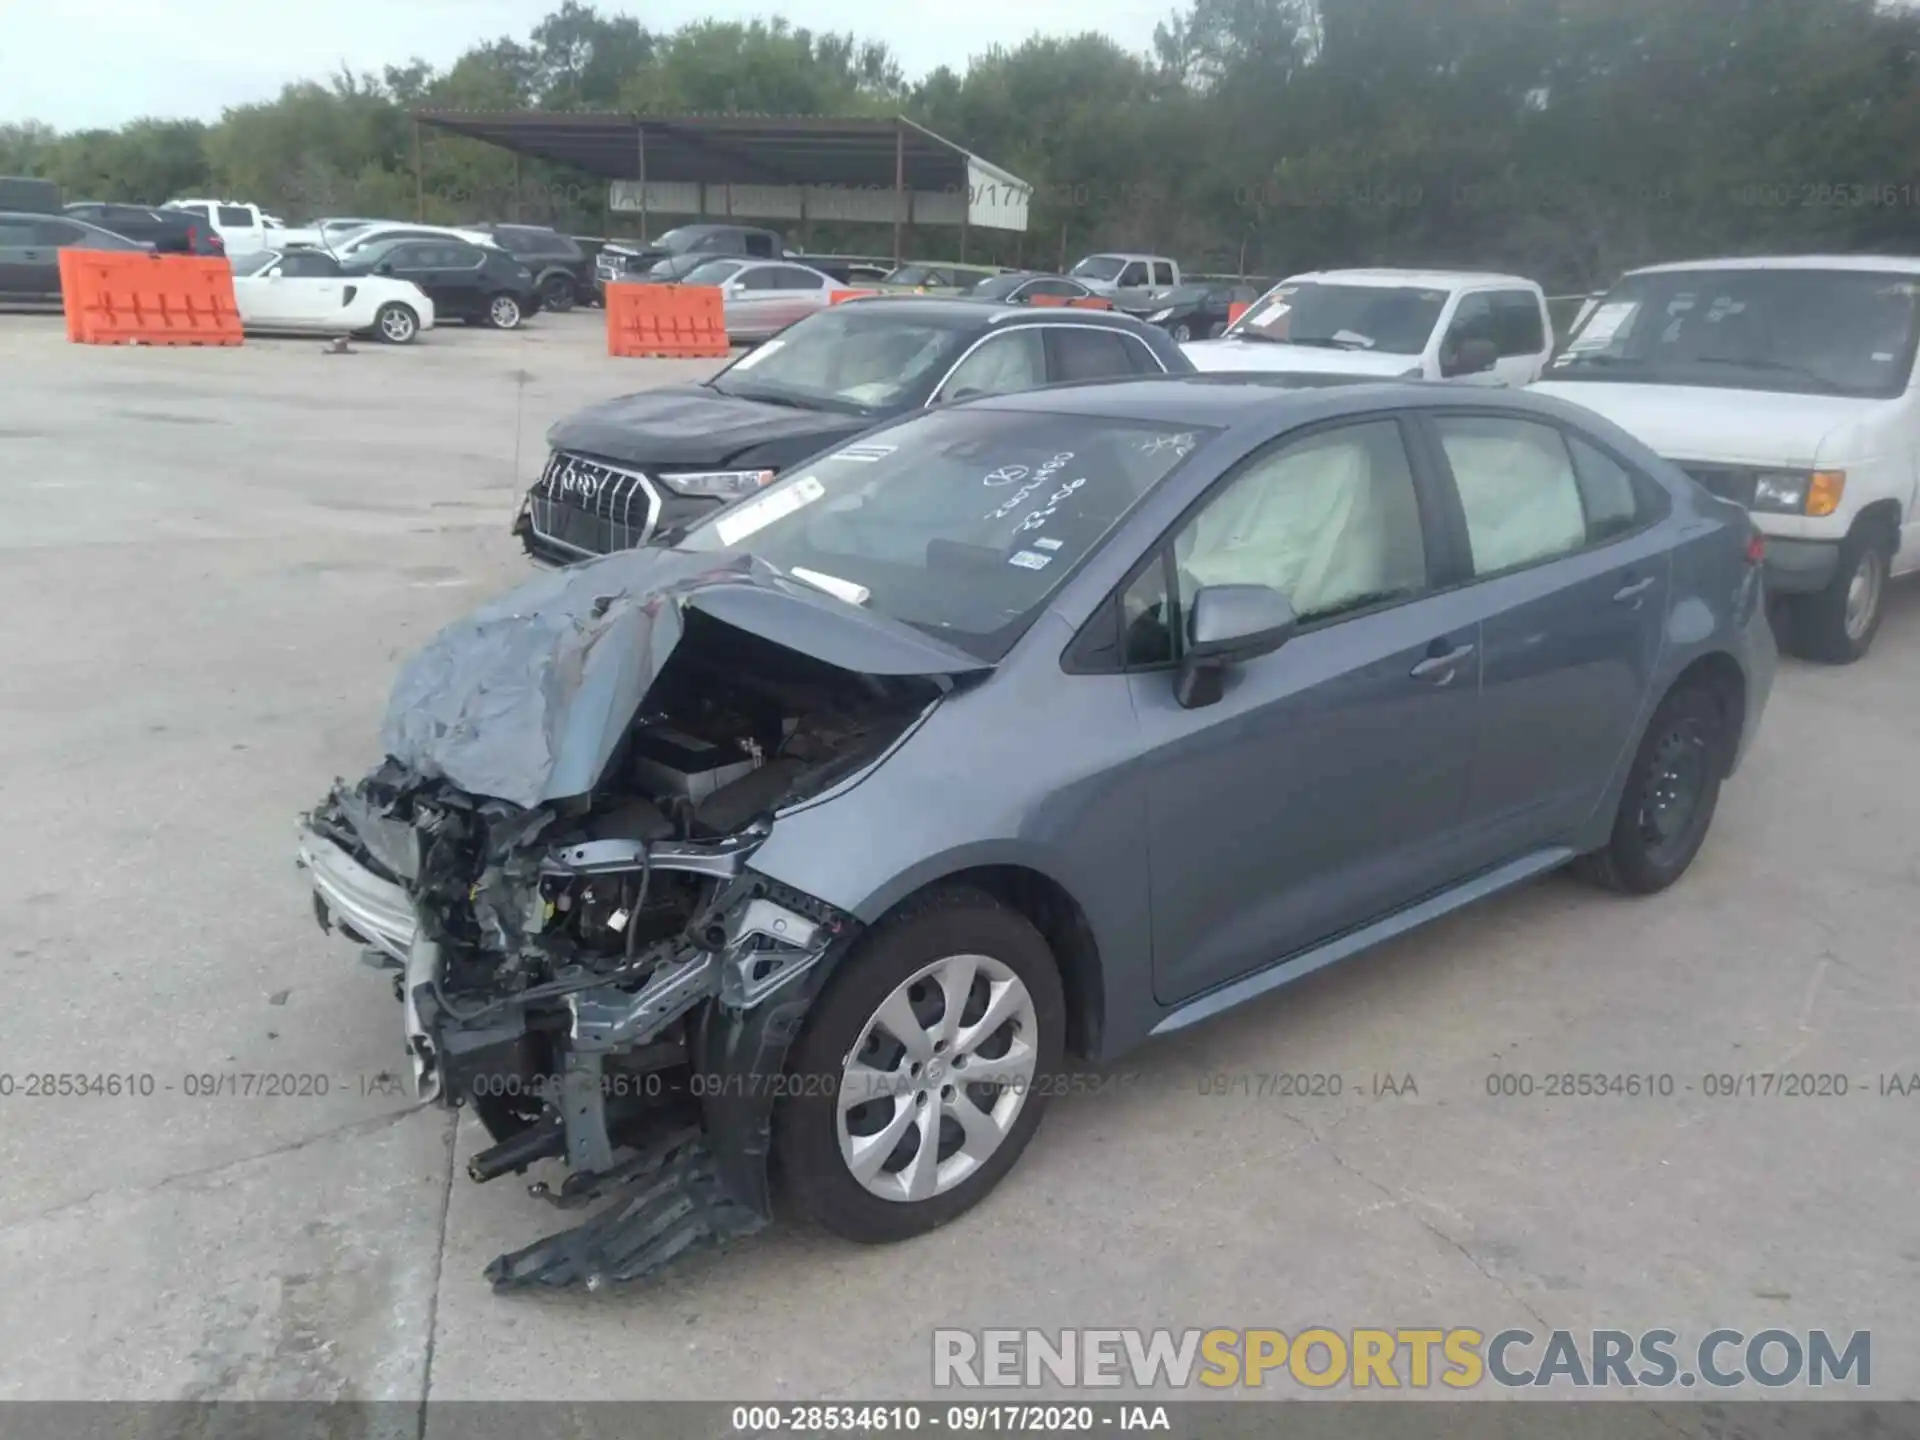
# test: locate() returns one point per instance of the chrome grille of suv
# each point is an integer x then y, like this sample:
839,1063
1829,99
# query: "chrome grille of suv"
591,507
1729,482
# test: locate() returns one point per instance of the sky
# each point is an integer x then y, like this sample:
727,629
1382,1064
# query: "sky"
98,63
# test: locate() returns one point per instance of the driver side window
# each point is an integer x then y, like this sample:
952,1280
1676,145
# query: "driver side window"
1331,522
1015,360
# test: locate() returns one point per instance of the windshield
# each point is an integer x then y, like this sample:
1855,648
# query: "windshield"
1099,267
253,264
853,357
1810,332
676,239
1395,320
711,272
962,522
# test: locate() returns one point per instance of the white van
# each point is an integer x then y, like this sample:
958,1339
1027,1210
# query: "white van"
1786,384
1407,324
244,228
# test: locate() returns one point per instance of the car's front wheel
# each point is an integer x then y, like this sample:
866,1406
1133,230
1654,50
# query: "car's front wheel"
1670,795
557,293
1181,332
503,312
396,324
922,1073
1837,624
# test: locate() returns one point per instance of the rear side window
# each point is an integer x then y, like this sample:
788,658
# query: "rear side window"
789,277
16,235
1518,488
1618,500
760,277
1162,272
1081,353
236,215
1518,326
755,245
57,233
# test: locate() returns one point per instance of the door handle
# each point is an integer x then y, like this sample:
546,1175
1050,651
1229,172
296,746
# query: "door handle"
1633,590
1441,666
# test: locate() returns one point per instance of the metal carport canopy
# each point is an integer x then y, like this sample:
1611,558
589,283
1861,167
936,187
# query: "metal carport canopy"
762,166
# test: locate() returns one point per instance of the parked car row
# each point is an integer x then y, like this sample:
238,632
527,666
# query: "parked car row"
952,686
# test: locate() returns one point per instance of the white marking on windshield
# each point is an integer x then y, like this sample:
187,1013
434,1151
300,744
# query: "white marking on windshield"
758,514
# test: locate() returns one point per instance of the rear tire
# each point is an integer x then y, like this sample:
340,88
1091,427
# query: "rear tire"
396,324
901,970
1671,792
503,312
1837,624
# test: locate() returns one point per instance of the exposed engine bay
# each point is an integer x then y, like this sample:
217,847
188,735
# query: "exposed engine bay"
603,977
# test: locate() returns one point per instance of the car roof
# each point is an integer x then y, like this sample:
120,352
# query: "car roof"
987,314
1423,279
1224,399
1880,264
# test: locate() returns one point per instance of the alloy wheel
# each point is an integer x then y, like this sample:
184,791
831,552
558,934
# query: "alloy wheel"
937,1079
397,325
1863,593
504,312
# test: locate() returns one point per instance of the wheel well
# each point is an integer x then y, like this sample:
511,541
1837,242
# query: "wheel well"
1045,903
1720,675
1882,513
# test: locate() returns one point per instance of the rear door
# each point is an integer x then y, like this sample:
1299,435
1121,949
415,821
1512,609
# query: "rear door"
1570,580
799,292
22,271
1520,325
459,272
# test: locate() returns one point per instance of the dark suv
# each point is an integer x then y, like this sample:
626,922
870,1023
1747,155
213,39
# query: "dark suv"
682,249
171,232
562,271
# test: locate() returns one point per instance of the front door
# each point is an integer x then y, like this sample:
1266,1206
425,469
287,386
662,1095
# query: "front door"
1324,787
1571,590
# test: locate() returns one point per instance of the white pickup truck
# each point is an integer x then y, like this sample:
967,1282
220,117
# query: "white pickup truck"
245,228
1405,324
1113,271
1787,384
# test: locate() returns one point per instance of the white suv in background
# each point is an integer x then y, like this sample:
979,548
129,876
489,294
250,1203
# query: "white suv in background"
1787,384
1406,324
245,229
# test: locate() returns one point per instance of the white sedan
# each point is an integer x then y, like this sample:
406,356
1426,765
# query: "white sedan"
305,290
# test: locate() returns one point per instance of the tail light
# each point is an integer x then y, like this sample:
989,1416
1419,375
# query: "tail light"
1756,548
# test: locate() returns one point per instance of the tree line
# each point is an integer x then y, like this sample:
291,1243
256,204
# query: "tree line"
1564,139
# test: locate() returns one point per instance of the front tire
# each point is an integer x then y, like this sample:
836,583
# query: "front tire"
558,294
1670,796
1838,624
396,324
503,312
885,1136
1181,332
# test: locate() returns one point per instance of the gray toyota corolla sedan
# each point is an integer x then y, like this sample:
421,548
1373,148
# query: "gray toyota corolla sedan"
796,859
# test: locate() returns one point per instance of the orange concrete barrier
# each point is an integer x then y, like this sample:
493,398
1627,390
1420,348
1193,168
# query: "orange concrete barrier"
1047,300
1236,310
841,296
117,297
678,322
1089,302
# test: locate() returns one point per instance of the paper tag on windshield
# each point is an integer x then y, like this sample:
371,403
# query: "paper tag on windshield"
756,515
1605,323
864,454
754,357
1031,560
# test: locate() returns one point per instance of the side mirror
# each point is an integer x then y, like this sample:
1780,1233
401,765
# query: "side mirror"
1470,358
1229,624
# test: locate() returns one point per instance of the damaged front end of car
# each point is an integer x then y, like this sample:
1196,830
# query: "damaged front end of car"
555,862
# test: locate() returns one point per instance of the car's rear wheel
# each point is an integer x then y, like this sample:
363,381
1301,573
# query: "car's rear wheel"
557,293
1670,796
921,1075
1838,624
396,324
1181,332
503,312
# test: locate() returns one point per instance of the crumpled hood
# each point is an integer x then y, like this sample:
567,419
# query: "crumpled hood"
1228,353
525,699
1730,427
687,425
